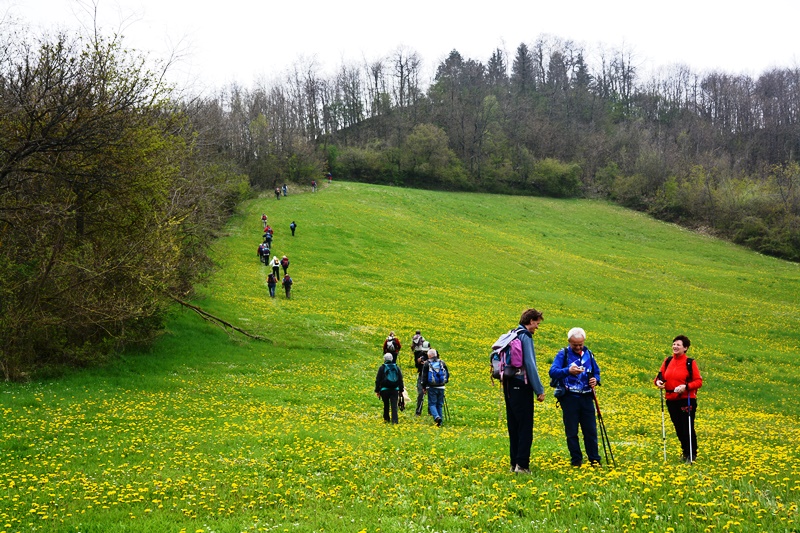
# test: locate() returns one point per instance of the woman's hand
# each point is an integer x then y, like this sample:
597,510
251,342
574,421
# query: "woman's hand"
680,389
659,384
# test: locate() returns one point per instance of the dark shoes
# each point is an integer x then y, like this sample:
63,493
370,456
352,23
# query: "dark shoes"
518,470
438,422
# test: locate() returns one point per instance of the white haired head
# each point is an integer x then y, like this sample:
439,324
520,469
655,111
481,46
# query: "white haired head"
576,333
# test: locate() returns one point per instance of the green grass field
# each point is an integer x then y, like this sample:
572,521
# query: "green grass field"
211,432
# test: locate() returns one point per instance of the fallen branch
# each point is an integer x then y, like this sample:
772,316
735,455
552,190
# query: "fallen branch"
217,320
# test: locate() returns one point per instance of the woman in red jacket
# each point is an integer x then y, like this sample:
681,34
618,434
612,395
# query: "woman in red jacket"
680,378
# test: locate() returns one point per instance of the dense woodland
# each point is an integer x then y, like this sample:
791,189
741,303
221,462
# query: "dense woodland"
112,186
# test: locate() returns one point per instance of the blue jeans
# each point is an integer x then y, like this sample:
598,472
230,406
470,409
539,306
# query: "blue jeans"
272,290
435,402
578,410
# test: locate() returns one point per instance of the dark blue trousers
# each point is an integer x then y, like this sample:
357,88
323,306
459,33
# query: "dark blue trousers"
578,410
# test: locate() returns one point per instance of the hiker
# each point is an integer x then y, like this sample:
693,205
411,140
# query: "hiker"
518,392
285,264
575,374
416,342
277,193
263,253
435,376
285,189
276,266
263,220
329,176
268,236
680,378
420,356
293,227
392,345
313,185
287,285
272,282
388,386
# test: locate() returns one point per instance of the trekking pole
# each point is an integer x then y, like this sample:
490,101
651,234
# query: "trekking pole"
689,412
663,430
603,432
446,410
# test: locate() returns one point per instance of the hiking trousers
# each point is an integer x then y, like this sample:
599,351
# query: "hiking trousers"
436,402
679,415
389,398
519,418
578,410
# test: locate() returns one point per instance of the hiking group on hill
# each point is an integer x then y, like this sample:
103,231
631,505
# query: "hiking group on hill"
574,376
264,250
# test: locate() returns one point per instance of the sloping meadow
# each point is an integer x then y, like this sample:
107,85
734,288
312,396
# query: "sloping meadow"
208,431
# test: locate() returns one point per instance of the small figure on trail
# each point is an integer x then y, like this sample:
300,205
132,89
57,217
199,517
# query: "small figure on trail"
287,285
264,220
575,372
389,386
272,282
277,193
293,227
276,266
679,377
313,185
285,189
392,345
435,376
263,253
329,176
420,356
285,263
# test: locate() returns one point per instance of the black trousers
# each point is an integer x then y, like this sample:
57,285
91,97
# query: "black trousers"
389,398
519,418
679,414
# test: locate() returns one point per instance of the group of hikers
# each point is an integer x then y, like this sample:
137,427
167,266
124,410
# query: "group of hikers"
432,376
574,376
264,250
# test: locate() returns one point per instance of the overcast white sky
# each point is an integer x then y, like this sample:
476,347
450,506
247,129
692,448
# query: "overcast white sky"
246,40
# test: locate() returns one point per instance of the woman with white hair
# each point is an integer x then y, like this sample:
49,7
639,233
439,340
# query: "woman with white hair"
575,374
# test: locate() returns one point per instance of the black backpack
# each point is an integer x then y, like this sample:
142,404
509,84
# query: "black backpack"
688,367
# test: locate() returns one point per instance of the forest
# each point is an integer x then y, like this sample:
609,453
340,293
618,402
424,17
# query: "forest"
113,185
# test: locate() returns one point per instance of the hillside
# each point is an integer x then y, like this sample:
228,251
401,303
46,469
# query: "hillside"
210,432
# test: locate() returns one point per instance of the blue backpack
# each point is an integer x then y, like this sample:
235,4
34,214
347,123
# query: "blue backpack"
391,376
437,373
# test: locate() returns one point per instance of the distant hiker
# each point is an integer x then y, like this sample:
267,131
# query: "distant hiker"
268,235
276,266
272,282
575,374
329,176
264,220
287,285
293,227
420,356
313,185
284,189
263,253
392,345
277,193
519,389
435,376
388,386
416,341
285,263
680,378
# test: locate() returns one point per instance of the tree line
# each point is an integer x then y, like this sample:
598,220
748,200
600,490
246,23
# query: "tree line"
109,198
710,150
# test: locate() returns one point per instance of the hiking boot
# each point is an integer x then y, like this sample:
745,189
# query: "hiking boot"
438,422
519,470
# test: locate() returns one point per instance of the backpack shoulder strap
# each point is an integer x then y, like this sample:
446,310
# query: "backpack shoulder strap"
690,375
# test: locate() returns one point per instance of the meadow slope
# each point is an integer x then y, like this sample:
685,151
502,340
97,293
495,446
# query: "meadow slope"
208,431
